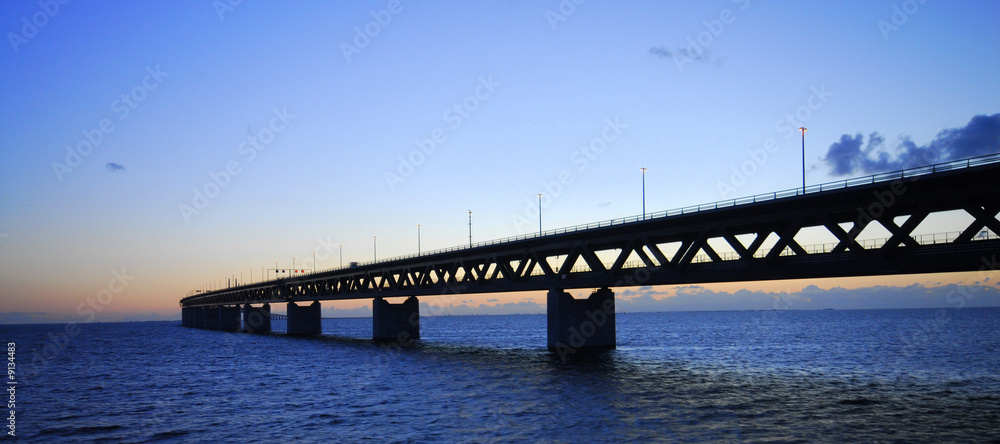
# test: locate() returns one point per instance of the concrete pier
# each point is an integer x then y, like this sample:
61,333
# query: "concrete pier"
396,322
229,318
257,320
306,320
212,318
198,317
576,324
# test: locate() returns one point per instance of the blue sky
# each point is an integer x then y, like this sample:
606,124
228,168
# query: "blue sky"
317,108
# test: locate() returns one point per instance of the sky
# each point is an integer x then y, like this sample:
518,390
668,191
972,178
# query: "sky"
151,148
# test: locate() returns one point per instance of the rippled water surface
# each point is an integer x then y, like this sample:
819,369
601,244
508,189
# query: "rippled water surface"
867,375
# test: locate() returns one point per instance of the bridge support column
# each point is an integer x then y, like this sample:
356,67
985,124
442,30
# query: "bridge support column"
212,318
396,322
257,320
580,323
198,317
305,320
229,318
184,317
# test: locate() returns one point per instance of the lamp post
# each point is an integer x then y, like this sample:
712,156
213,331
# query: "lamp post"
314,262
643,193
470,228
341,255
418,239
375,247
803,129
539,214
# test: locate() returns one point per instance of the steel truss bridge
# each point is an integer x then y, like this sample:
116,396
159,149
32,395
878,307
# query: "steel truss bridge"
745,239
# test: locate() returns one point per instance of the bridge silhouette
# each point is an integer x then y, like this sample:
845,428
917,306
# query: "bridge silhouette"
745,239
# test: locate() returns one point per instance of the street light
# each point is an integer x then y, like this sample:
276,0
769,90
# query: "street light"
539,214
470,228
314,262
643,193
341,255
375,247
803,129
418,239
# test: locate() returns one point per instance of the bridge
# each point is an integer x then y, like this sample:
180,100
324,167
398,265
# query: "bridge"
746,239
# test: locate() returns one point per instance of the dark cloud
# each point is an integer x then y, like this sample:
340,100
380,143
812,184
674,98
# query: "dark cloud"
114,167
851,155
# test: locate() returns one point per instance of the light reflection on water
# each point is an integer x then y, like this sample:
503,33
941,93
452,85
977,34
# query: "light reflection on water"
816,375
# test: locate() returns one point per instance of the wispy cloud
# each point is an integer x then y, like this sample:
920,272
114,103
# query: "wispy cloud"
852,155
114,167
666,53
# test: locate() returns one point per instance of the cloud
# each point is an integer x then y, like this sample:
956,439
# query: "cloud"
523,307
974,294
357,312
698,298
665,53
851,155
114,167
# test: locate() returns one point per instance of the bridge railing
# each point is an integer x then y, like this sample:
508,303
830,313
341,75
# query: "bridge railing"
840,184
